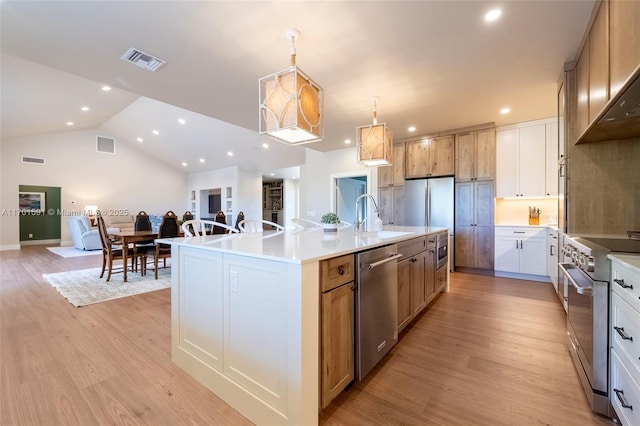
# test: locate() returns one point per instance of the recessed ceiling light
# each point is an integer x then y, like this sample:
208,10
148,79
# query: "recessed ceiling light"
505,110
84,108
140,139
272,174
202,160
184,164
493,15
412,128
155,132
106,88
265,145
230,154
347,141
181,121
70,123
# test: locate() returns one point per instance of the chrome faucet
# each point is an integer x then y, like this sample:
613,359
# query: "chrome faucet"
358,223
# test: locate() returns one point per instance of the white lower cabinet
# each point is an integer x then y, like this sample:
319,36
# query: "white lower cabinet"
521,250
625,338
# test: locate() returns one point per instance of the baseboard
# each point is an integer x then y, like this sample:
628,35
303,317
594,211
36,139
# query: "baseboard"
477,271
39,242
541,278
10,247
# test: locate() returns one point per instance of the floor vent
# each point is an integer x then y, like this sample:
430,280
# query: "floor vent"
142,59
106,145
32,160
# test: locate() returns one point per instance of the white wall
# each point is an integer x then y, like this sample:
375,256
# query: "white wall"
127,180
249,195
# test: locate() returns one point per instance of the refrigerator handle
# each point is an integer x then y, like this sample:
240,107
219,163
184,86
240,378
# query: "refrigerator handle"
428,206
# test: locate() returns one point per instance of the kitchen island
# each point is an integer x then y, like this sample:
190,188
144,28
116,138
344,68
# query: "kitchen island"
245,313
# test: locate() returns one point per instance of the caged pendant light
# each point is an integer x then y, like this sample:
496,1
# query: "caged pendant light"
291,104
374,142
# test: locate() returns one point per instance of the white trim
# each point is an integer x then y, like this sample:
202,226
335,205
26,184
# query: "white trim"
10,247
355,173
39,242
522,124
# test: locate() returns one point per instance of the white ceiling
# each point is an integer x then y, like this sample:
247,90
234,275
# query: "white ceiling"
434,64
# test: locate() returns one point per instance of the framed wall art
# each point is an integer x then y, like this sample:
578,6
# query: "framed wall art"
29,201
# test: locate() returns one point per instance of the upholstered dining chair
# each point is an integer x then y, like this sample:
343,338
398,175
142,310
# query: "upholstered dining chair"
220,218
199,227
169,228
143,223
239,219
251,225
111,250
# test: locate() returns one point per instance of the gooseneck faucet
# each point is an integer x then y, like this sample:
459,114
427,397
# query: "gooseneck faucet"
358,223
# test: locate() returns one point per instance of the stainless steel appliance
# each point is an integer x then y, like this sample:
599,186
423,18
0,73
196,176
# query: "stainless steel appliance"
376,306
429,202
442,249
587,271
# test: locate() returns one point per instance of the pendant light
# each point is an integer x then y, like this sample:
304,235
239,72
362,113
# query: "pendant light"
374,142
291,104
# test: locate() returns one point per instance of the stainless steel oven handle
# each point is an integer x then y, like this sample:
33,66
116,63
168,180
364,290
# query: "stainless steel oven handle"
380,262
587,291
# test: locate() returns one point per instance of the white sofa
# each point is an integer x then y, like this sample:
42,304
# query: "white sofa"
83,235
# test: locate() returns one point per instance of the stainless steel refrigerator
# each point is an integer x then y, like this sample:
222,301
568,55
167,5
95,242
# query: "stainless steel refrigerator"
429,202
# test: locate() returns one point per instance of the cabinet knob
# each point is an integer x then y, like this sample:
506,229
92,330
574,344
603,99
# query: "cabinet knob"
340,270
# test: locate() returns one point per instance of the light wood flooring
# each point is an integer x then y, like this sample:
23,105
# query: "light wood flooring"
490,352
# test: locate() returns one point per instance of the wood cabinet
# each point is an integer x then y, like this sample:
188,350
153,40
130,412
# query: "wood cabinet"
416,275
475,155
393,175
552,159
391,201
474,218
430,157
624,42
599,62
582,86
521,250
338,326
521,160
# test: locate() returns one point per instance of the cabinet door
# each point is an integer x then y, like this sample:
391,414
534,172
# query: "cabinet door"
582,83
418,288
507,163
464,224
404,293
429,274
598,62
337,341
385,176
397,196
483,201
531,161
398,165
533,256
507,254
417,158
483,247
465,156
485,154
551,182
441,279
442,157
624,41
385,205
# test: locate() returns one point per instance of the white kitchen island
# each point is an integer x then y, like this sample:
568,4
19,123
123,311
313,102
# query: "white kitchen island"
245,314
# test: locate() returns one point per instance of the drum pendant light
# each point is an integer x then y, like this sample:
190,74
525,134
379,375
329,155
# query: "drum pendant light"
374,142
291,103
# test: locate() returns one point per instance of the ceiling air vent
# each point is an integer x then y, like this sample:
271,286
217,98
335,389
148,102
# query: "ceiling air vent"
142,59
107,145
32,160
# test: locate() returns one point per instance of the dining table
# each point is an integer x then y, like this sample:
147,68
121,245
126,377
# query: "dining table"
130,236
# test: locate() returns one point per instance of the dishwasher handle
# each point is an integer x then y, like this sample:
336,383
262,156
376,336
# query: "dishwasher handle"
391,257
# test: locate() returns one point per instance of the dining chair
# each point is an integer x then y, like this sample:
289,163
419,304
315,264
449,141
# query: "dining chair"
169,228
239,219
200,227
111,250
143,223
251,225
220,218
187,216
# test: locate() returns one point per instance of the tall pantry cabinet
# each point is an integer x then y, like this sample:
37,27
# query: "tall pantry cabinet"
474,199
391,188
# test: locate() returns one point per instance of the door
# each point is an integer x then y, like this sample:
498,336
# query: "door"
348,189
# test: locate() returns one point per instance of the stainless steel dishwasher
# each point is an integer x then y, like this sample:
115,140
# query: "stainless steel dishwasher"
376,306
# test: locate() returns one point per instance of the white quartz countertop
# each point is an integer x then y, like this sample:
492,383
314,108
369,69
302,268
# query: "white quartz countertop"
629,260
301,246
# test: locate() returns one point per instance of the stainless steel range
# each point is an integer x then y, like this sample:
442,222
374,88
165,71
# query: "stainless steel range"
587,272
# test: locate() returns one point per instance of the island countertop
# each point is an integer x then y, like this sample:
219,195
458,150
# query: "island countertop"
302,246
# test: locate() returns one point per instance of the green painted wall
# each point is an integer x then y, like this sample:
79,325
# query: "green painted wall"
42,226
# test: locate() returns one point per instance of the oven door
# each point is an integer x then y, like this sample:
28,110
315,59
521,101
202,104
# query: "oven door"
587,324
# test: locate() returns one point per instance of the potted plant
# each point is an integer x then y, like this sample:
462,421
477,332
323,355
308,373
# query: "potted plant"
330,222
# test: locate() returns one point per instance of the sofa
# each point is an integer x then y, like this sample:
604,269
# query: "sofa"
83,235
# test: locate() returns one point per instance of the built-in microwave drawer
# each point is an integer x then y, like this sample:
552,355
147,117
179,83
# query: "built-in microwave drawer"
521,231
625,332
624,392
626,282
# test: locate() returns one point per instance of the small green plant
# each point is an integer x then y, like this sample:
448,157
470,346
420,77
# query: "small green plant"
331,218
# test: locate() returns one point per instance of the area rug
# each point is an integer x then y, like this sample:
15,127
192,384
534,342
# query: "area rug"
70,251
84,287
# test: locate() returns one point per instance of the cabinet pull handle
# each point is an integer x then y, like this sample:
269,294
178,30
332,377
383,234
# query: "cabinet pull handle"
340,270
551,251
620,395
518,232
622,284
517,244
622,334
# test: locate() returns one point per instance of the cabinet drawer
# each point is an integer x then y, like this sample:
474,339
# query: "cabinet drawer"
431,240
624,390
520,232
626,283
625,321
413,246
337,271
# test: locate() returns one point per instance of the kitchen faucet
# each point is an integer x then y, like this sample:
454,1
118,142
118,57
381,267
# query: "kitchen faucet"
357,223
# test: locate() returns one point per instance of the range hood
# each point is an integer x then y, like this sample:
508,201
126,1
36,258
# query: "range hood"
620,118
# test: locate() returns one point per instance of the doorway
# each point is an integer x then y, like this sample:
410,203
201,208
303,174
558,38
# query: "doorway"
347,191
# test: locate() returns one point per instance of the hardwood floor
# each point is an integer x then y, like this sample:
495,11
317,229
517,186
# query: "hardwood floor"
490,352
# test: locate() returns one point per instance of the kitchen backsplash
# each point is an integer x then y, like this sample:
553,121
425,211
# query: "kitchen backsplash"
516,212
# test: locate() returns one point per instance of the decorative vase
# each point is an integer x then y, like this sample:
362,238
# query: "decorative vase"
330,227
